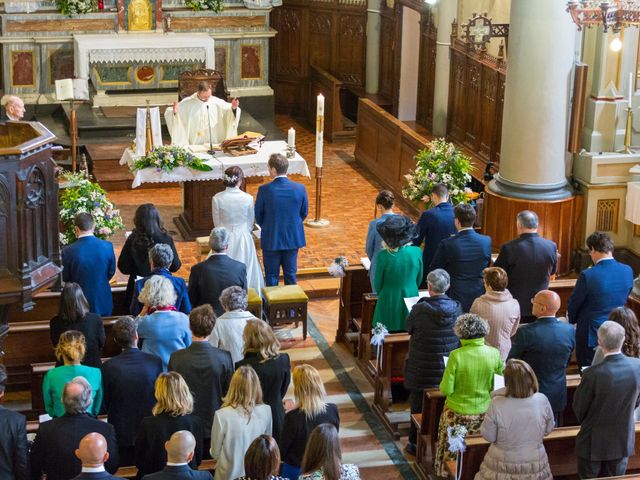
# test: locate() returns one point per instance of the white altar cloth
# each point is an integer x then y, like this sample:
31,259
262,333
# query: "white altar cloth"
141,47
252,165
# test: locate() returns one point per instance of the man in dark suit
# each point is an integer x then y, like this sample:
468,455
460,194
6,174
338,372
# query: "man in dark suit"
180,448
604,404
546,345
92,452
464,256
160,259
281,207
435,224
206,369
599,290
53,451
529,261
13,109
209,278
90,262
130,375
14,464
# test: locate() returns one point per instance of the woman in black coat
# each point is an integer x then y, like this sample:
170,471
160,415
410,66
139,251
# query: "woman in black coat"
430,324
134,258
74,314
262,353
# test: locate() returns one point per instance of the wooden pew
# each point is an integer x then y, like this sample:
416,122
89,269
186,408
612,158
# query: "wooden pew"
389,365
336,126
353,286
30,342
364,327
559,444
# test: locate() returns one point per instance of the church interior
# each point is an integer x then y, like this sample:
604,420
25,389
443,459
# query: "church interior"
540,96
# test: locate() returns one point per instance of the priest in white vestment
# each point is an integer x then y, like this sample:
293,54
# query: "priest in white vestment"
188,120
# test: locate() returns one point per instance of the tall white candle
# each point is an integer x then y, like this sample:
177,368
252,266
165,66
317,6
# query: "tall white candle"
319,130
291,138
630,88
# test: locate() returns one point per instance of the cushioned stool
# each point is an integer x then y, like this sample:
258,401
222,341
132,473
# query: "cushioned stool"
255,303
286,304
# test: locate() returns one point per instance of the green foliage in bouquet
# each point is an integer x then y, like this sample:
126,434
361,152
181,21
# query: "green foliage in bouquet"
76,7
167,158
213,5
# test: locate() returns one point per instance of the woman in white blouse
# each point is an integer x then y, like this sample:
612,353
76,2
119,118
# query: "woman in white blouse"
233,210
242,418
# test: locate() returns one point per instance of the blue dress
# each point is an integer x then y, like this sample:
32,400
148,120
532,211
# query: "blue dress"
163,332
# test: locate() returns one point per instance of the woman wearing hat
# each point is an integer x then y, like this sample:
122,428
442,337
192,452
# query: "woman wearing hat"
398,272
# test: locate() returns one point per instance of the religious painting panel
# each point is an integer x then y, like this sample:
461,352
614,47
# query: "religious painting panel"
22,67
139,15
350,55
222,63
321,39
251,62
60,64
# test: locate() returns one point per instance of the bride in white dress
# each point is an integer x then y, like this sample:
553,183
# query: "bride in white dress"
233,210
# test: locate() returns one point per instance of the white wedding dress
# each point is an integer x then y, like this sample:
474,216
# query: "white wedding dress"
233,210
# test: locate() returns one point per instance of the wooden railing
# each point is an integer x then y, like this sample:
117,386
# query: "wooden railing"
335,125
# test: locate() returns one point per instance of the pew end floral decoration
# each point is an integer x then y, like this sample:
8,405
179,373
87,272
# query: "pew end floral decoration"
79,194
338,267
441,162
167,158
377,340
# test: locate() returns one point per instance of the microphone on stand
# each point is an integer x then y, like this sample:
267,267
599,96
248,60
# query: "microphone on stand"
211,151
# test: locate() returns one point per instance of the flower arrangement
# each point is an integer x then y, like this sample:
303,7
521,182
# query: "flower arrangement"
337,268
440,162
213,5
76,7
166,158
82,195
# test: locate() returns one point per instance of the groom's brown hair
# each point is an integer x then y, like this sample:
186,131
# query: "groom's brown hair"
279,163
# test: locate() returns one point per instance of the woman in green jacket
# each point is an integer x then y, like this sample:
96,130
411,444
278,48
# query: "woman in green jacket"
398,272
467,383
70,351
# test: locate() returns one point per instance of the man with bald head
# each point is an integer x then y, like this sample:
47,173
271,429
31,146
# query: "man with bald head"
93,453
546,345
53,451
180,448
13,109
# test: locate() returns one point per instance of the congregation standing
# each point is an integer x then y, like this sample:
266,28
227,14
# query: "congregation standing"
209,379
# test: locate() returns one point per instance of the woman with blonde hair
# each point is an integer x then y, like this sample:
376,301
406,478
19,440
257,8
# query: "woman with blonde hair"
162,329
262,353
241,419
311,410
171,413
70,352
517,421
323,459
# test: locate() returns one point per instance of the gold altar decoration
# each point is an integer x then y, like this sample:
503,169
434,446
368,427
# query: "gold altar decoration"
140,15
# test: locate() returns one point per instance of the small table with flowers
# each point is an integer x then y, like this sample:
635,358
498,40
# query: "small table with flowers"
199,187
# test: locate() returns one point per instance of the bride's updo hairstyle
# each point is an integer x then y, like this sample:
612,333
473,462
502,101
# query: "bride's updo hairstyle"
233,177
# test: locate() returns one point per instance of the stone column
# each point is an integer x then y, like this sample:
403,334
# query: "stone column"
372,68
536,105
445,12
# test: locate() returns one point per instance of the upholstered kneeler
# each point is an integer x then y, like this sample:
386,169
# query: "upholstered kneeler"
286,304
255,303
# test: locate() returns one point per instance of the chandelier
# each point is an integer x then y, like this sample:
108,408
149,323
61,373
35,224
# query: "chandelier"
613,13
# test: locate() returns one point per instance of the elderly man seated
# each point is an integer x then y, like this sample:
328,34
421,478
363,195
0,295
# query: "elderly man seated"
13,109
229,327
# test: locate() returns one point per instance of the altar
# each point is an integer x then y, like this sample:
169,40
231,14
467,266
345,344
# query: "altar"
198,187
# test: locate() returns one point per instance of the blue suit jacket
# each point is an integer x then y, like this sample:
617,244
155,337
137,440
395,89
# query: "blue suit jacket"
90,262
130,375
599,290
434,225
464,256
281,206
182,301
180,472
546,345
95,476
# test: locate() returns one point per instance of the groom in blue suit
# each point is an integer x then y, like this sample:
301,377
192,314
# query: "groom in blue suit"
281,207
90,262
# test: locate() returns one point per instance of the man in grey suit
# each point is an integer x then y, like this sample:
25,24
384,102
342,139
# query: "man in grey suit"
604,403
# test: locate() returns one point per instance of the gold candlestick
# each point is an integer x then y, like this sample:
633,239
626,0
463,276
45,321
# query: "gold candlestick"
627,133
318,222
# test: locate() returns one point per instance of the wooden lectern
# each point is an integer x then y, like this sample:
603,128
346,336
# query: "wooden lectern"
29,233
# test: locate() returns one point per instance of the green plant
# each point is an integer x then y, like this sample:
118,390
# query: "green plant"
440,162
213,5
166,158
82,195
76,7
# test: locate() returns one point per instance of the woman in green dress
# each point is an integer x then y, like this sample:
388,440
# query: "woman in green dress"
398,272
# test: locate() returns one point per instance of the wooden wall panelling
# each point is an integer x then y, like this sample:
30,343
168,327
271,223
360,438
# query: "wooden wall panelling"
387,54
351,47
427,72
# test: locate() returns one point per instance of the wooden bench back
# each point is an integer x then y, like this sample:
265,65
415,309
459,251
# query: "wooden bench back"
188,83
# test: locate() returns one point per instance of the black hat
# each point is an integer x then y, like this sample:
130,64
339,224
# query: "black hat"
397,231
